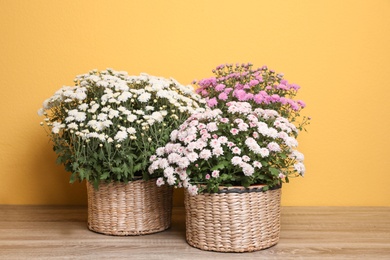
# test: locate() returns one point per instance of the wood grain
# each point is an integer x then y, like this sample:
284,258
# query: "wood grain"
60,232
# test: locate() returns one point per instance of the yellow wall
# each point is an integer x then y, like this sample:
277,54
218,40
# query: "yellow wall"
338,51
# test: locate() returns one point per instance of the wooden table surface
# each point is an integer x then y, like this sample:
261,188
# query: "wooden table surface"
60,232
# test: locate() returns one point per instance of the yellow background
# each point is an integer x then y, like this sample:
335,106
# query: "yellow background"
338,51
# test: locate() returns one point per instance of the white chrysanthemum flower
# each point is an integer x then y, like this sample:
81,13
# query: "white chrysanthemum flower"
223,139
253,145
297,155
214,143
173,135
139,112
236,150
57,126
247,169
94,78
189,138
183,162
121,86
269,113
182,174
73,126
106,123
162,94
157,116
264,152
272,132
131,130
69,119
93,135
93,108
253,118
200,144
300,168
154,166
263,129
121,136
73,112
168,172
112,100
160,181
173,157
92,123
212,127
171,180
191,146
102,83
80,95
205,154
160,151
102,137
192,189
122,109
273,147
217,151
257,164
163,163
102,117
215,174
124,96
246,158
243,126
283,135
291,142
83,107
80,116
113,113
192,156
68,93
131,118
236,160
144,97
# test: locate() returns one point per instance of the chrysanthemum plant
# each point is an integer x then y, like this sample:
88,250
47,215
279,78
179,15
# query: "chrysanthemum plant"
106,127
240,146
248,138
261,87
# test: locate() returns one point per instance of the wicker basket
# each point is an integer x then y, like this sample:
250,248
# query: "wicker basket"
234,219
136,208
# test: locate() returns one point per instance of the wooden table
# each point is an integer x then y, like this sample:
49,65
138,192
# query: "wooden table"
60,232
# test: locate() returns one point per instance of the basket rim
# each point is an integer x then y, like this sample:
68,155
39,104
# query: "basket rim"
242,189
136,179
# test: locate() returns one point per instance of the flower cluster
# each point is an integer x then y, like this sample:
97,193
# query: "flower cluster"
108,124
236,146
261,87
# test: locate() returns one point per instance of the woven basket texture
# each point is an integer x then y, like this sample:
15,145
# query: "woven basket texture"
233,221
135,208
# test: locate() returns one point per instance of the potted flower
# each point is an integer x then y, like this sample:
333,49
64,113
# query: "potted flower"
104,130
261,87
232,161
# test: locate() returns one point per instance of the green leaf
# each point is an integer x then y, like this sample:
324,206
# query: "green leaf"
104,175
81,172
245,182
224,177
72,177
137,167
273,171
220,165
